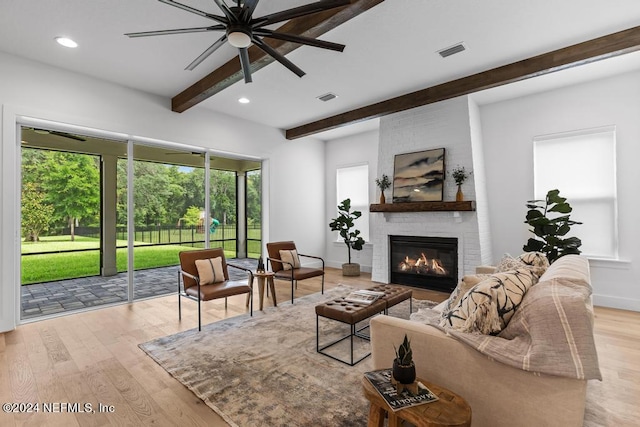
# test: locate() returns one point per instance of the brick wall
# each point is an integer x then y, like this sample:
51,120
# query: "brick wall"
444,124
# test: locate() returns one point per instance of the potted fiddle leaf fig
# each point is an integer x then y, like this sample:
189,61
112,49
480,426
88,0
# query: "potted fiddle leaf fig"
404,370
344,224
550,224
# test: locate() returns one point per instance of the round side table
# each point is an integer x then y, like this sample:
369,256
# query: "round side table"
268,276
450,410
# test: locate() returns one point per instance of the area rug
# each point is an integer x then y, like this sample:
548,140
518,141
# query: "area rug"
266,367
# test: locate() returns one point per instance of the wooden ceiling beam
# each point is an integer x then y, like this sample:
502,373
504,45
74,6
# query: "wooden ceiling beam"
593,50
231,72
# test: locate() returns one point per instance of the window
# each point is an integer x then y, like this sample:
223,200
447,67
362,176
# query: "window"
353,183
582,165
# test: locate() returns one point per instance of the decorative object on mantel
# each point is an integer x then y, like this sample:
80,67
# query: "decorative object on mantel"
551,231
418,177
343,224
383,183
460,175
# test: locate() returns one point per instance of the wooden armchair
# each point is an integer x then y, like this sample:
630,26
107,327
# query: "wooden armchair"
205,276
285,263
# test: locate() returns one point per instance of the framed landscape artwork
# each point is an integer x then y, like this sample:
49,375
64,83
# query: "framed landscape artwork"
418,177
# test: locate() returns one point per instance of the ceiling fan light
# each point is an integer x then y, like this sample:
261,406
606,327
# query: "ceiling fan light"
239,39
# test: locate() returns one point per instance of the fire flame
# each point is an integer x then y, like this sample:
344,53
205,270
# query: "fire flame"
423,265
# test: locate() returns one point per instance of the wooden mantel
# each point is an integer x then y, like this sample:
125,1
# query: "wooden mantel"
467,205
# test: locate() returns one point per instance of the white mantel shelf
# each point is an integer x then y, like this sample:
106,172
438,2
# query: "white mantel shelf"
467,205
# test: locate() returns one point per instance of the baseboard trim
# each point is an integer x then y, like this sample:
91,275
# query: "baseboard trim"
616,302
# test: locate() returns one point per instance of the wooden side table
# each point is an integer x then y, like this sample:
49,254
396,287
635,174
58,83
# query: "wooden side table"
450,410
268,276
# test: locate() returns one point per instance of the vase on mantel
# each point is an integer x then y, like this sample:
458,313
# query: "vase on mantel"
459,194
382,199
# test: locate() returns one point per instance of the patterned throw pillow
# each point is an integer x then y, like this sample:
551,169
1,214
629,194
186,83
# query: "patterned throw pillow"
290,257
467,282
210,270
536,261
489,305
509,263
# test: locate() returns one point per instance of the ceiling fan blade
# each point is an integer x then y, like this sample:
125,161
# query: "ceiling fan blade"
176,31
299,39
299,11
220,19
278,57
246,64
67,135
206,53
226,10
248,8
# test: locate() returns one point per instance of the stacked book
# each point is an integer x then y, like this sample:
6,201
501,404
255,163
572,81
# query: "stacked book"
363,296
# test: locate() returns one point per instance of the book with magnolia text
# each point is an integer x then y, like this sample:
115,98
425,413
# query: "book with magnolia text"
381,381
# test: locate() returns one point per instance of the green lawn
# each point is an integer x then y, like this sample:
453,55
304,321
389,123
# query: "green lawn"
59,266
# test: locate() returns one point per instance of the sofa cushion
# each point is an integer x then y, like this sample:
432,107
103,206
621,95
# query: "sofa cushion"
536,261
488,306
573,267
210,270
289,256
509,263
467,282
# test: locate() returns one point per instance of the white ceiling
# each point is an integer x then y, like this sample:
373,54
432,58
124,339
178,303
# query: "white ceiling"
391,49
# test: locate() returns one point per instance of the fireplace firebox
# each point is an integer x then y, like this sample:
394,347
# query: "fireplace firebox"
424,262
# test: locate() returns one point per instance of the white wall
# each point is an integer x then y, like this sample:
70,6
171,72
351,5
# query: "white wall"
508,128
297,190
35,90
349,151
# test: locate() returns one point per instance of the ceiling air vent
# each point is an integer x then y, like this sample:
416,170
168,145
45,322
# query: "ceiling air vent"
452,50
327,97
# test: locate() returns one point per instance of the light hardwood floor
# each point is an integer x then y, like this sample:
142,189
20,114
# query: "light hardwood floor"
93,357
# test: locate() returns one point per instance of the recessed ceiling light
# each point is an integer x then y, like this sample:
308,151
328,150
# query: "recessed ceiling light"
66,42
244,100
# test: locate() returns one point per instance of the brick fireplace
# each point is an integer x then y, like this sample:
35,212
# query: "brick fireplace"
453,125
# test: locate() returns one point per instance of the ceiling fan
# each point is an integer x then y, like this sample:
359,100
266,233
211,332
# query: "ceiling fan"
58,133
242,29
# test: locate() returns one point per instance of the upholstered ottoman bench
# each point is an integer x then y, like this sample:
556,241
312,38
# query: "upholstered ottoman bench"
352,313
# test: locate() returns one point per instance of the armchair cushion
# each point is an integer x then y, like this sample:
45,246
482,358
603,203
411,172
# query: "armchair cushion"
290,257
210,270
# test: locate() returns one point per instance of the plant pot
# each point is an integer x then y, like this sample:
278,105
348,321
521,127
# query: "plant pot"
352,269
459,194
382,199
404,374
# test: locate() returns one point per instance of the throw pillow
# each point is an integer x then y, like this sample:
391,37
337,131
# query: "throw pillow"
536,261
489,305
509,263
467,282
290,257
210,270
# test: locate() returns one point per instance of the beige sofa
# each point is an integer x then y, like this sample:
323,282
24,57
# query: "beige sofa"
500,394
